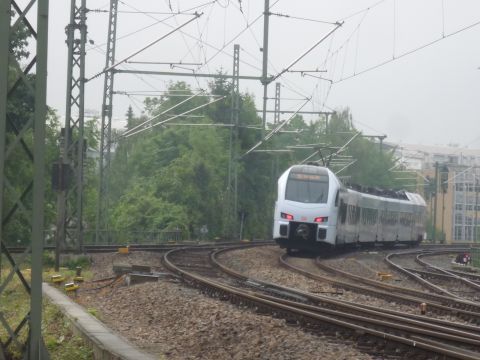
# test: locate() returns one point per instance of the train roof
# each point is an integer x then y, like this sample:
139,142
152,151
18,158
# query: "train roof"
400,196
309,169
387,193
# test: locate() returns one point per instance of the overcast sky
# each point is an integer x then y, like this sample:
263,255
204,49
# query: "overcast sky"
427,97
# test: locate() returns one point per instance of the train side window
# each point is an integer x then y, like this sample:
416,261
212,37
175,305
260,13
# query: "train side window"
357,214
336,198
343,212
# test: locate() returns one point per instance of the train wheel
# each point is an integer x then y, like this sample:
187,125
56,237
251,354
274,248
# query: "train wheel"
290,251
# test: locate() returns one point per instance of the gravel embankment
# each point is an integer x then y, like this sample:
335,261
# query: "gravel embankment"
175,322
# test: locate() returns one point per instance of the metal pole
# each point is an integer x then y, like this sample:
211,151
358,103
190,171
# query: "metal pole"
70,219
4,70
277,104
81,118
443,214
34,189
435,205
102,220
235,121
476,210
39,181
265,80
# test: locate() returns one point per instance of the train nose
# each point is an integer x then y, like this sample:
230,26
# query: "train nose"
303,231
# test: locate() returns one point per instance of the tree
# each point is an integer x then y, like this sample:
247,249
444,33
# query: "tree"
176,176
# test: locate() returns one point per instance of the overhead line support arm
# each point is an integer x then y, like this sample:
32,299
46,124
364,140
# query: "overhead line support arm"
145,47
189,74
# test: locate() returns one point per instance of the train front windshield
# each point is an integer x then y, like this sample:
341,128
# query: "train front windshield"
307,188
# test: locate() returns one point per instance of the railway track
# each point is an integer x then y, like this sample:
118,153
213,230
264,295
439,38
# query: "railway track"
133,247
437,304
470,280
376,332
458,284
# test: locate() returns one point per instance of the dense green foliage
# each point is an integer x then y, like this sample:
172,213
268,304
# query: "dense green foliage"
18,185
175,177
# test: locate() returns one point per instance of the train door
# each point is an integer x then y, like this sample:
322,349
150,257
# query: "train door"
353,218
368,219
342,218
390,223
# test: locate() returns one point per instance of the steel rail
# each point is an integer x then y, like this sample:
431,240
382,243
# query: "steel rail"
416,277
437,324
289,310
390,288
140,247
434,301
466,281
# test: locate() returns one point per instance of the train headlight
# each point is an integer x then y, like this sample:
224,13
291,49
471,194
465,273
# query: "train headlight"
321,219
286,216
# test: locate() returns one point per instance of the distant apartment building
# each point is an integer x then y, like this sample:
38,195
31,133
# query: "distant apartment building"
458,184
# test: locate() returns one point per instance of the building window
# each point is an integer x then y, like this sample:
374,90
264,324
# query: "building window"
469,233
453,159
458,233
458,219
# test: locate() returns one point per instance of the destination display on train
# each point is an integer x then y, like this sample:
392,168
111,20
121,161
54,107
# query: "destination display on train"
311,177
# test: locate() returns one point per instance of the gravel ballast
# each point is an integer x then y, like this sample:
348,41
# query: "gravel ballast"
174,322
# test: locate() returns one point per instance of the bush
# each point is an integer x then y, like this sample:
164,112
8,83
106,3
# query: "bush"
48,259
72,262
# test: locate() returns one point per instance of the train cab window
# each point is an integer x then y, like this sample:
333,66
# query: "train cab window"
336,198
307,187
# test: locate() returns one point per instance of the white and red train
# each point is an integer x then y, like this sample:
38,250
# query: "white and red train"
314,209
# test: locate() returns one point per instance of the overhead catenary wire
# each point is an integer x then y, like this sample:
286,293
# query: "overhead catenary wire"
141,12
157,21
346,166
162,113
146,46
206,62
304,18
408,52
306,52
363,10
141,78
219,50
222,49
173,117
275,130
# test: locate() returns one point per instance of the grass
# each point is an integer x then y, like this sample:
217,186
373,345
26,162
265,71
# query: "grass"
58,336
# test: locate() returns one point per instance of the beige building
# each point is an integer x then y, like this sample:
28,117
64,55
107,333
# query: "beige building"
458,184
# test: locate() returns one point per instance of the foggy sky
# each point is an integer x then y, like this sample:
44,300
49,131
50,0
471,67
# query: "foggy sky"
427,97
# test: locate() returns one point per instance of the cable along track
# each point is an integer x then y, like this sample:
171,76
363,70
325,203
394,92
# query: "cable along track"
374,331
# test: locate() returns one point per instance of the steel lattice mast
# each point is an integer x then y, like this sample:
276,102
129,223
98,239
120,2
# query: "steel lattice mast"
22,197
277,104
72,154
232,187
106,127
